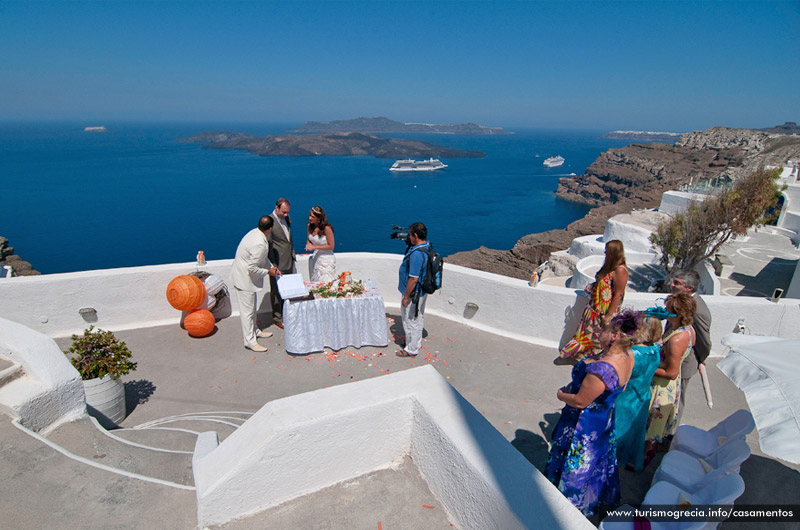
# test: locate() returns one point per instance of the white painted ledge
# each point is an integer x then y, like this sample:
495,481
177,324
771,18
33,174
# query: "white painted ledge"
51,391
304,443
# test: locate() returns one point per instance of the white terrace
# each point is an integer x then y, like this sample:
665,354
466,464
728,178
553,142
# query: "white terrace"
416,416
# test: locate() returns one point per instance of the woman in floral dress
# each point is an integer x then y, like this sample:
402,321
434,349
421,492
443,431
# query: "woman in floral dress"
583,458
666,387
607,293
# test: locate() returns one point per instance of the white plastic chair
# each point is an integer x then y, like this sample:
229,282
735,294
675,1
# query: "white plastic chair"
722,492
689,473
702,444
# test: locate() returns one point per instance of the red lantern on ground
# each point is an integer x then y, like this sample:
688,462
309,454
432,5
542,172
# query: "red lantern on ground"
186,292
199,323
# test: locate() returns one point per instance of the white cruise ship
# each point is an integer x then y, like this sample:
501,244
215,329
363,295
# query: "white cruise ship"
418,165
553,161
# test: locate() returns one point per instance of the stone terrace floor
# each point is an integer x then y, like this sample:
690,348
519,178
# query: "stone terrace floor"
763,260
512,383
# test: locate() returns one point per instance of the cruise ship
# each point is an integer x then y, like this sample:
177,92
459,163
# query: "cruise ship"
418,165
553,161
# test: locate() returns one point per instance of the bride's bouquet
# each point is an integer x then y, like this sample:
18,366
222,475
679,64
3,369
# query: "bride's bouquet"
342,287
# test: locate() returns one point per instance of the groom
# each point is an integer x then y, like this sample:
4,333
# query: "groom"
249,269
281,253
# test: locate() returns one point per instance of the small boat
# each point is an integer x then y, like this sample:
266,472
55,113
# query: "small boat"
95,129
553,161
418,165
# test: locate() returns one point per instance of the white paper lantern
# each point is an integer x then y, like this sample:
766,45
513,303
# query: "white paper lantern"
209,302
213,284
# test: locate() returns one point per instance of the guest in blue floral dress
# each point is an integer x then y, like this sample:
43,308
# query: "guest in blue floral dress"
632,406
583,458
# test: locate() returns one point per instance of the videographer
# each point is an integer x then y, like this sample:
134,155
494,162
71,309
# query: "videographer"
412,307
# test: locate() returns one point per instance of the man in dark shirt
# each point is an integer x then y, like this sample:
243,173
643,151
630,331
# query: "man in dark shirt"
687,281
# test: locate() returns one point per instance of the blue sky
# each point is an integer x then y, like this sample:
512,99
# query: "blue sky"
664,66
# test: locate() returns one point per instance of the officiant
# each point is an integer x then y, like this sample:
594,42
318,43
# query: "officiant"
281,253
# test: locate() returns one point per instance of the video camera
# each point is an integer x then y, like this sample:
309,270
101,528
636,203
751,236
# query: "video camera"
401,233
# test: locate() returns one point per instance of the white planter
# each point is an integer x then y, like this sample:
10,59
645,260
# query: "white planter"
105,400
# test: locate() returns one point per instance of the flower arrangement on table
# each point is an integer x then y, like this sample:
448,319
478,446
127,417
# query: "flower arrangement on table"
342,287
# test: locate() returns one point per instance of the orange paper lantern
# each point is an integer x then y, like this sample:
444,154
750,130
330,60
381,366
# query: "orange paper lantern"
186,292
199,323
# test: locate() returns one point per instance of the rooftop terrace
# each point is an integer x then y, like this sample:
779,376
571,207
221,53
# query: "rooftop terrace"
500,359
215,385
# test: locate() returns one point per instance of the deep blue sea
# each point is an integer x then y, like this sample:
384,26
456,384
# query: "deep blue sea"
72,200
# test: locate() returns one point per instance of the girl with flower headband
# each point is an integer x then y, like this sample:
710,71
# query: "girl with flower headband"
322,263
582,461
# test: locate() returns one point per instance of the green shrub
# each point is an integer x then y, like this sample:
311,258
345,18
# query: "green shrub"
695,234
97,353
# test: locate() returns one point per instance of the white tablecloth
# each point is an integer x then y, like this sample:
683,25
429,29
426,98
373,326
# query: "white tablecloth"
311,325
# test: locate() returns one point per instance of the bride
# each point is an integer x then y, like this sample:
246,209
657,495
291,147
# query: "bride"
322,264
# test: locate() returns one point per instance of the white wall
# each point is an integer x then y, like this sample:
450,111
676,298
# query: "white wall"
547,315
794,288
51,390
301,444
790,214
636,239
673,202
585,246
585,270
709,281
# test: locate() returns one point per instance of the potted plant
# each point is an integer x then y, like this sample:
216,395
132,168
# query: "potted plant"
102,359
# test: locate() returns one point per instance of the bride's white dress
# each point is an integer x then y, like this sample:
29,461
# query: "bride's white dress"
322,264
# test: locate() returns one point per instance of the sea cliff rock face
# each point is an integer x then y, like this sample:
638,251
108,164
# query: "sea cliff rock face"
642,172
636,176
7,257
721,138
332,144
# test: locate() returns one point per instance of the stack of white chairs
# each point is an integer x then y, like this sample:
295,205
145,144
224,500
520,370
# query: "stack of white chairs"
723,492
701,468
700,443
692,473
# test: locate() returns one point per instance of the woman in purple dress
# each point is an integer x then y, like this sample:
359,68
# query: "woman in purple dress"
583,458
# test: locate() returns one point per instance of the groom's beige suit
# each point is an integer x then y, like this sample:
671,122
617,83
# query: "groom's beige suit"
250,266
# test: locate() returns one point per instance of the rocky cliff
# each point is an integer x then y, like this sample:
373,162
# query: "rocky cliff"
636,176
7,257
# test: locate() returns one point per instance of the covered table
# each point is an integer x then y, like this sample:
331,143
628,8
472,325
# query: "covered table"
312,325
